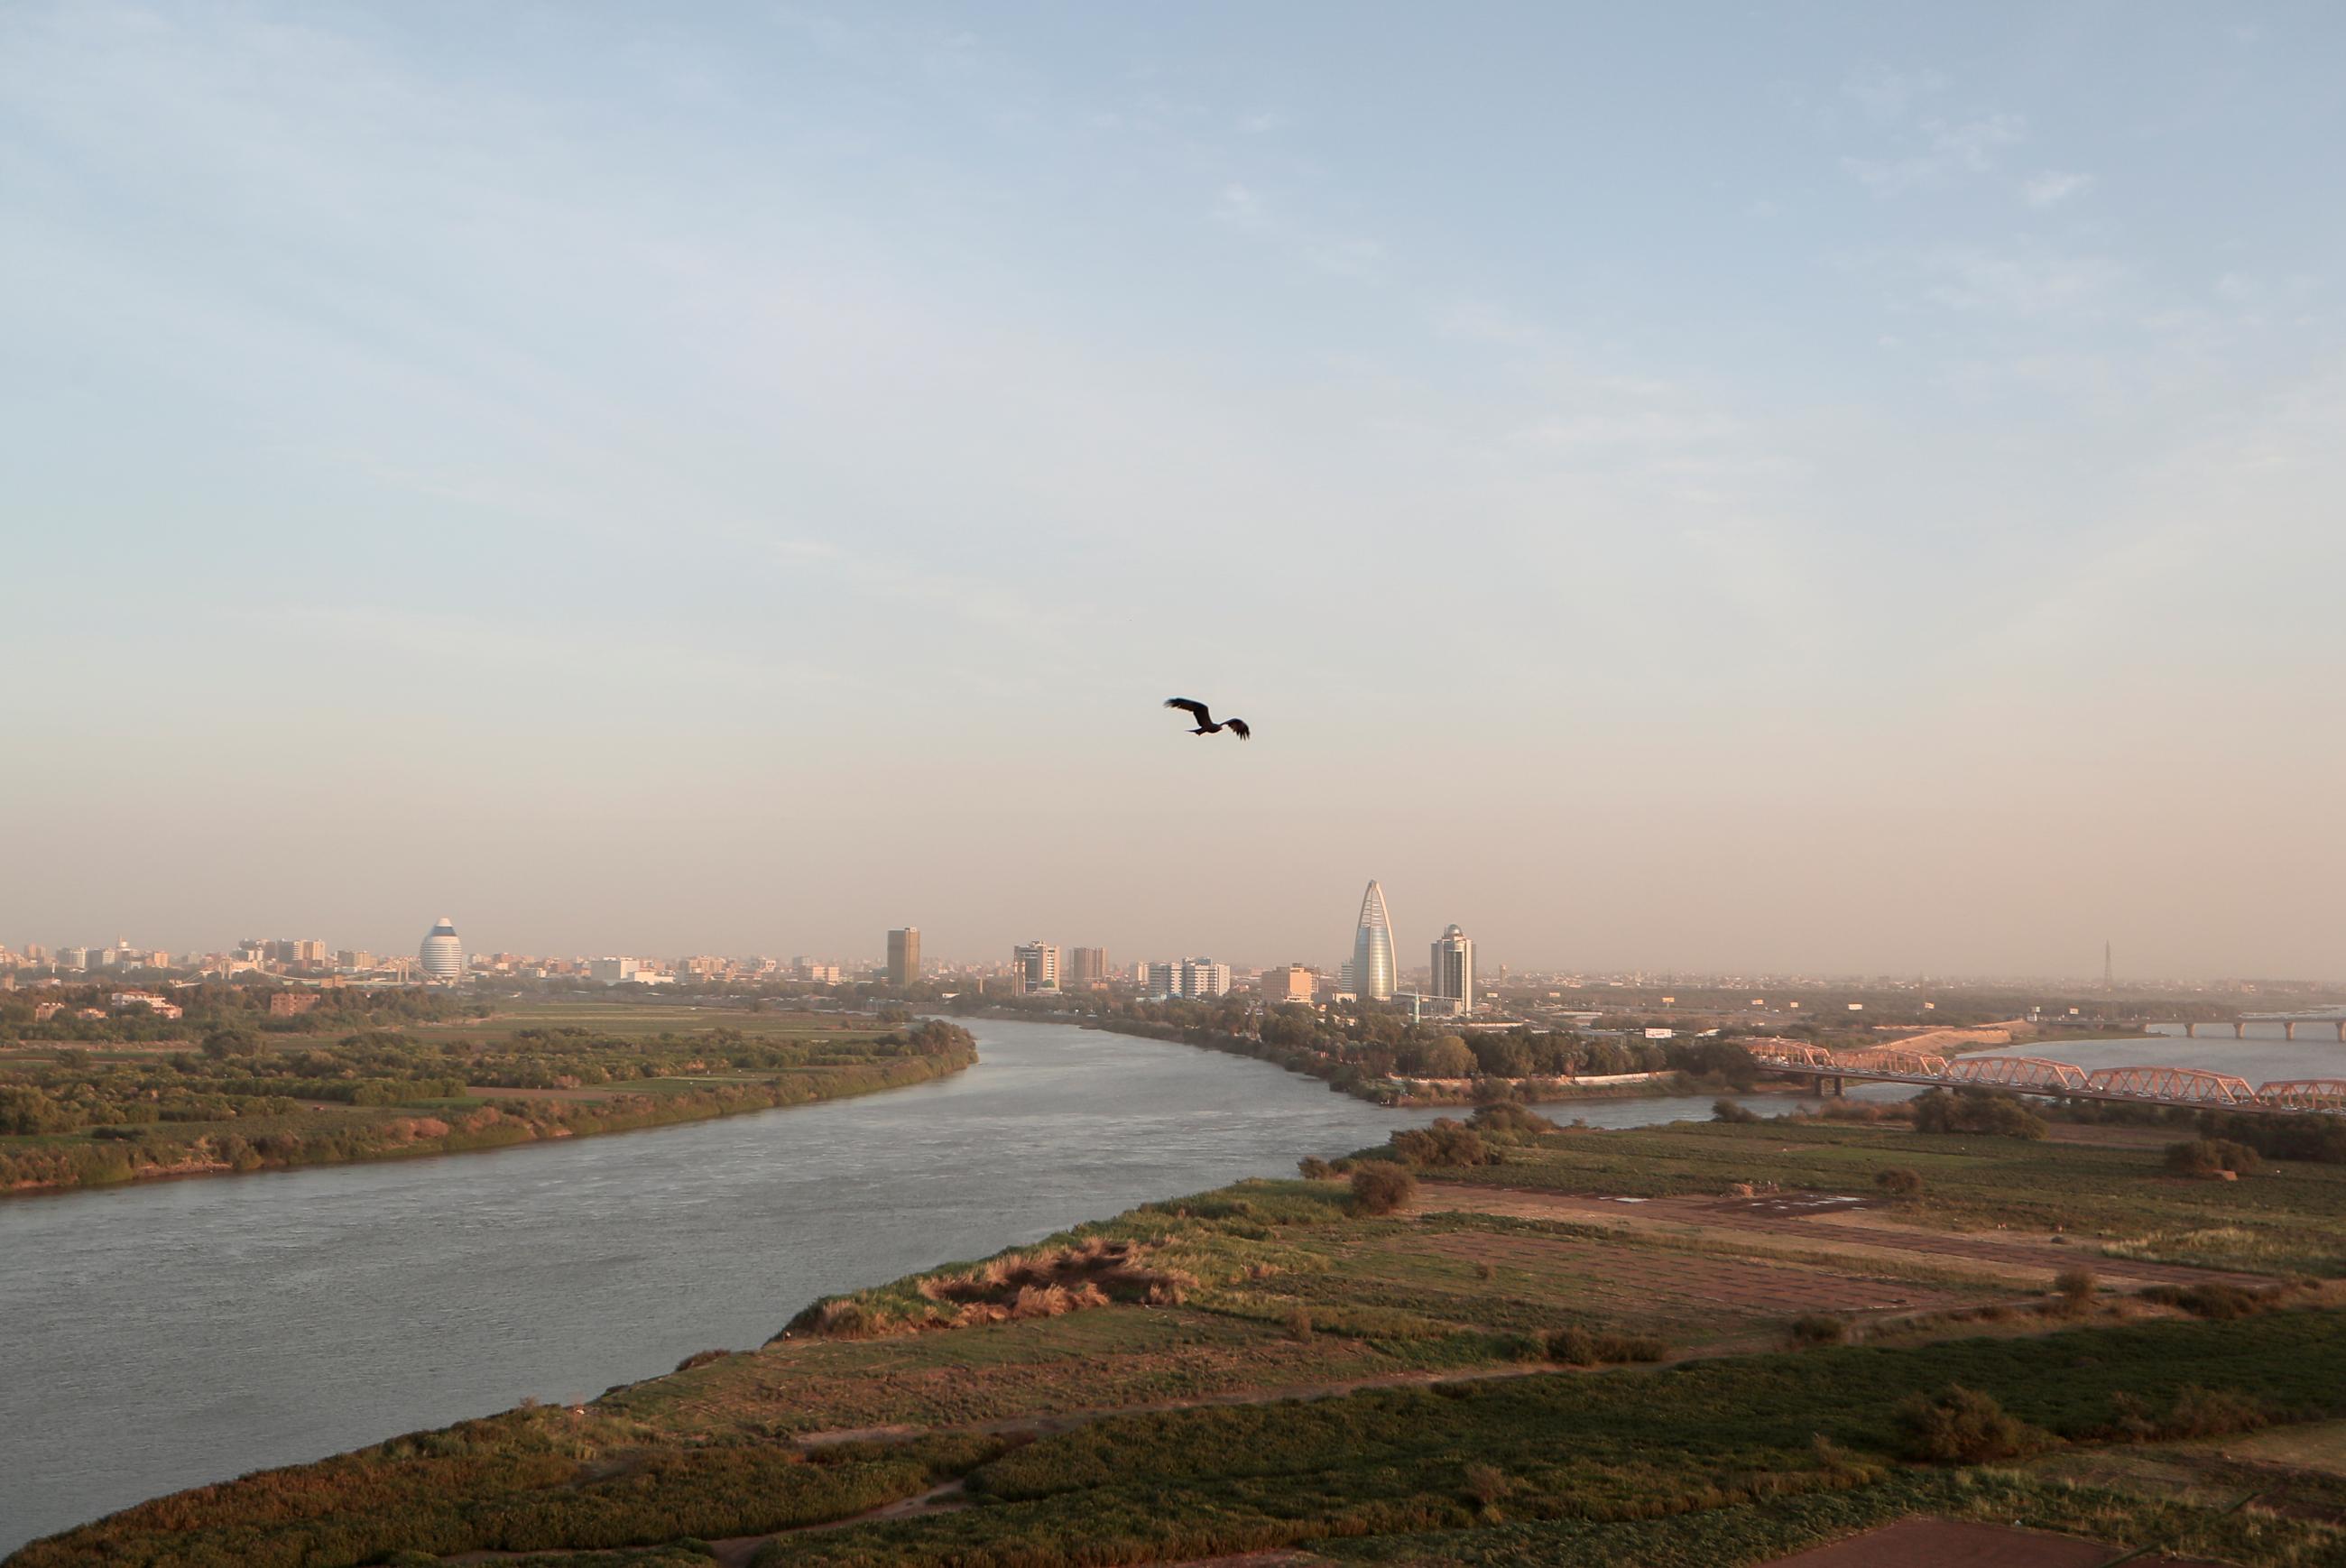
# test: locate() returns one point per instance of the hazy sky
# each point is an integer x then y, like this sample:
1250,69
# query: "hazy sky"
1699,487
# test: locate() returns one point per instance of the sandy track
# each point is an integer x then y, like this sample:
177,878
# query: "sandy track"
1849,1228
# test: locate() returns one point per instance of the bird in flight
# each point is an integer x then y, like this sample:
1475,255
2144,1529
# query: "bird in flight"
1205,724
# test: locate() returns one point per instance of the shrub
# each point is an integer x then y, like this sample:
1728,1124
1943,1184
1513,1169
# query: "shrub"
1509,1117
2207,1157
1970,1110
1899,1182
1381,1187
1728,1110
2212,1413
1487,1484
1448,1141
2076,1287
2321,1138
1958,1426
1819,1328
1314,1168
2214,1299
1574,1346
1299,1322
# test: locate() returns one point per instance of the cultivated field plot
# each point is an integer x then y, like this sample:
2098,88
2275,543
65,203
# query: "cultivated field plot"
1849,1230
1627,1283
2113,1202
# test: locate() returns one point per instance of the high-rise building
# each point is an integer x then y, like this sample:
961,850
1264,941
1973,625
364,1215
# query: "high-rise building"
1292,983
1087,967
443,957
1202,977
905,956
1453,968
1039,966
1192,977
1373,969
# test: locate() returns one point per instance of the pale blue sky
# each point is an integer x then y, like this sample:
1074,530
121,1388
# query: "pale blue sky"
1804,485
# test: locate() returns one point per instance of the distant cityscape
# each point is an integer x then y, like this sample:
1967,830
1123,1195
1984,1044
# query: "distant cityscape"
1037,967
1453,982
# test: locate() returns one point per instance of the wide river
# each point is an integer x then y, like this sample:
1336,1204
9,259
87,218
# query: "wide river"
160,1337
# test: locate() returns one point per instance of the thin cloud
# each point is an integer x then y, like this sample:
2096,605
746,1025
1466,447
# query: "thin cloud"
2052,188
1886,94
1951,150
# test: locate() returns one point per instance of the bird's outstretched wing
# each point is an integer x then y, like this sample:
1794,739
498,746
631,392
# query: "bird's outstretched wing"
1193,706
1239,727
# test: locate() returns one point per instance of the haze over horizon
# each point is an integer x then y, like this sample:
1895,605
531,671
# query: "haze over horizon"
1822,491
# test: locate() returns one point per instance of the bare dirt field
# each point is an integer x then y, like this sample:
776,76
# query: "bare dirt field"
1953,1544
1856,1226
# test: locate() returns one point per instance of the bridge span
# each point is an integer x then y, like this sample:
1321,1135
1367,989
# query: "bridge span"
2327,1017
2189,1086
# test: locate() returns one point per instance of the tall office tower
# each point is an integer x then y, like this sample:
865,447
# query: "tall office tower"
1087,967
1453,968
1038,965
1374,969
1202,977
1292,983
905,956
443,957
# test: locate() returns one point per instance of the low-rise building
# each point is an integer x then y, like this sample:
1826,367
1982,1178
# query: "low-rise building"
1290,983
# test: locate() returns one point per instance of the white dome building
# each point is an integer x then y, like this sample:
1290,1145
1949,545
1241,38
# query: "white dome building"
444,953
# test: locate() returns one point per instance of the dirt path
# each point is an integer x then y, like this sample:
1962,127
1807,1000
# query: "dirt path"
1853,1228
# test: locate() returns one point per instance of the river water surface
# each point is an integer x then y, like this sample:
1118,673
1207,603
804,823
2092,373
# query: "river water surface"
160,1337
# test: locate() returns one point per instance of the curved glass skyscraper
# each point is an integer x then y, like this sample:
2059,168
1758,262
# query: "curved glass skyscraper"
1374,969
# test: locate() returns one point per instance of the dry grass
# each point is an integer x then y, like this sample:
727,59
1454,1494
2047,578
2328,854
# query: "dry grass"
1093,1272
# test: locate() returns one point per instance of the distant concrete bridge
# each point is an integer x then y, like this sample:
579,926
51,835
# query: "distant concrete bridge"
2036,1075
2331,1017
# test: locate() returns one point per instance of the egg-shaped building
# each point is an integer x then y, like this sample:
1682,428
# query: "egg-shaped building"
443,952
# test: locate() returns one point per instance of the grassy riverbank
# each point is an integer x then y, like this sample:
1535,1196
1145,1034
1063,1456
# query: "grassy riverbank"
1512,1364
75,1116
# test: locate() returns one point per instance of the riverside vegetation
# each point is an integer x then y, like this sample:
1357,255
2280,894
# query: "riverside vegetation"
1460,1347
240,1098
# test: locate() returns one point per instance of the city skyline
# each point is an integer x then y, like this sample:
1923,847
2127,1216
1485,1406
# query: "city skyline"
1866,459
885,959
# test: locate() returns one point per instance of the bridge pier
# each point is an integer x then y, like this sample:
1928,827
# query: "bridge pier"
2240,1032
2342,1032
2288,1029
2191,1031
